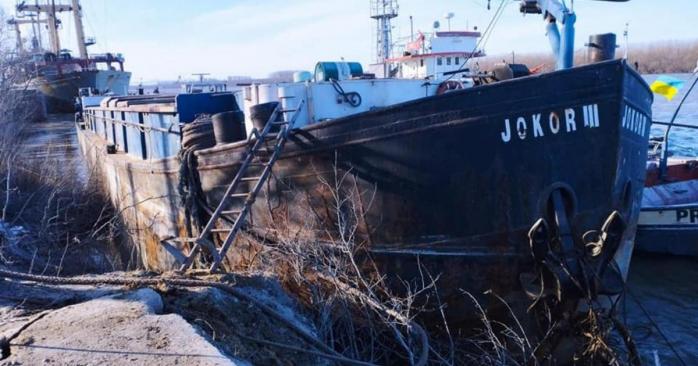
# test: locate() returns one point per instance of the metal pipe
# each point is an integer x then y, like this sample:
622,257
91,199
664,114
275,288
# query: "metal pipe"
566,57
554,37
139,126
682,125
411,30
665,151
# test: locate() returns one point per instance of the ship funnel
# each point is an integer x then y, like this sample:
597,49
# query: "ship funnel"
602,47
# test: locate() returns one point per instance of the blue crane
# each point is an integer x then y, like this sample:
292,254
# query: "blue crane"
556,11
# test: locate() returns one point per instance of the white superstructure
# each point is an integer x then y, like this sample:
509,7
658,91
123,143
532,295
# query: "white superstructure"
435,57
322,101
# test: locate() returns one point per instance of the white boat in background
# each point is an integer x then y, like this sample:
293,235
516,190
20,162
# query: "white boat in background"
668,222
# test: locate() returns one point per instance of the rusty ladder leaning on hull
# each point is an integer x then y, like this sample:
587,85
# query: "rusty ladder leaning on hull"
240,215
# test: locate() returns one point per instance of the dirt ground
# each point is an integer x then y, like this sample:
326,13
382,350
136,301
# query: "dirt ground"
110,325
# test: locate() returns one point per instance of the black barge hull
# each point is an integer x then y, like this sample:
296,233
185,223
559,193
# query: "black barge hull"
453,183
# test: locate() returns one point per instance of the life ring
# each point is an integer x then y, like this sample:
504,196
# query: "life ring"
448,86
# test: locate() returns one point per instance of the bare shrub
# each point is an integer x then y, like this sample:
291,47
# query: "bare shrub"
360,315
50,206
330,272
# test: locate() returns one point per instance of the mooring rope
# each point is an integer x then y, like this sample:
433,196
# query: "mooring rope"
184,282
195,136
656,326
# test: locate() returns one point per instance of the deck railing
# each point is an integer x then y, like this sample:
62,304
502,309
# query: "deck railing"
141,134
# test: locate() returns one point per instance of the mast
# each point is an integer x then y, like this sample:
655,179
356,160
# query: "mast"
51,8
53,38
18,33
201,75
38,28
383,11
79,30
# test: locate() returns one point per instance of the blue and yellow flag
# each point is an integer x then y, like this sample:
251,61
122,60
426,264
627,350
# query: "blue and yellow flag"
667,86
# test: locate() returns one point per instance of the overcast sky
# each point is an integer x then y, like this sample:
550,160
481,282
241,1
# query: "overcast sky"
162,39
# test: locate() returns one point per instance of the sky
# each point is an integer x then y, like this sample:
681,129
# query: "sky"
164,39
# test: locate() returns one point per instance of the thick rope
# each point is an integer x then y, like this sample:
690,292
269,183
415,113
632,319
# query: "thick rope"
656,326
634,354
196,135
181,282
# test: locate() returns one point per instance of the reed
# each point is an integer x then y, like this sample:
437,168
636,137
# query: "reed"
665,57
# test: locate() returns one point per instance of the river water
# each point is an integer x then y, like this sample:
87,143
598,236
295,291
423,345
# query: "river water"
667,287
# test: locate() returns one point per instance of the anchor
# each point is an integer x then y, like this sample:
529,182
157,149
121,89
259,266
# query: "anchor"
569,266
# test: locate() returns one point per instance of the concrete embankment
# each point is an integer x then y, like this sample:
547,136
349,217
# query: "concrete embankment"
165,320
54,224
122,328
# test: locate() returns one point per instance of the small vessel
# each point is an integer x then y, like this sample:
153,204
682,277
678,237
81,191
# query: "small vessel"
668,222
475,185
55,72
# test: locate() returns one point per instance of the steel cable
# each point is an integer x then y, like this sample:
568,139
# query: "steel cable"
183,282
485,34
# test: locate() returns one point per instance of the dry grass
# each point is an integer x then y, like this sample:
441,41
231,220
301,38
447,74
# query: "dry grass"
67,224
362,317
355,312
54,219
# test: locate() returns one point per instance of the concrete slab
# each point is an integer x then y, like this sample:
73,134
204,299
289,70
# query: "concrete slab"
114,330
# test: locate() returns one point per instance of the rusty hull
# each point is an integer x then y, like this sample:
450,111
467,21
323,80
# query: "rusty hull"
434,185
145,196
431,186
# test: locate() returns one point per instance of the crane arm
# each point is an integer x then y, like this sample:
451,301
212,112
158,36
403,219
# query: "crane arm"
556,11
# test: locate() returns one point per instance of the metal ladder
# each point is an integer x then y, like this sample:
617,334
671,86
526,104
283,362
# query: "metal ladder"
240,215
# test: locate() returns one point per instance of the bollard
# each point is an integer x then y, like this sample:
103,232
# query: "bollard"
228,127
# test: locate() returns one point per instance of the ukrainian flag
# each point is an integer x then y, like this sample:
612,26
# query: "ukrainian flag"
667,86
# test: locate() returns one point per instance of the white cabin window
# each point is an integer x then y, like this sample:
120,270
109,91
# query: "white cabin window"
448,60
457,60
439,61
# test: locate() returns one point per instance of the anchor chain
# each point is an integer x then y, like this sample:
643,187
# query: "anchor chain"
567,266
570,273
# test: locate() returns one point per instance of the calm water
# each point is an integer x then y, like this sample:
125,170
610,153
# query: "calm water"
667,287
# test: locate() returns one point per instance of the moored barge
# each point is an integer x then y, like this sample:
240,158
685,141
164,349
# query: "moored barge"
477,185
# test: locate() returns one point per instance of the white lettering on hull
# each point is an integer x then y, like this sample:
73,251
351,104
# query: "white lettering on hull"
528,127
554,122
569,120
635,121
521,127
537,129
591,115
506,134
